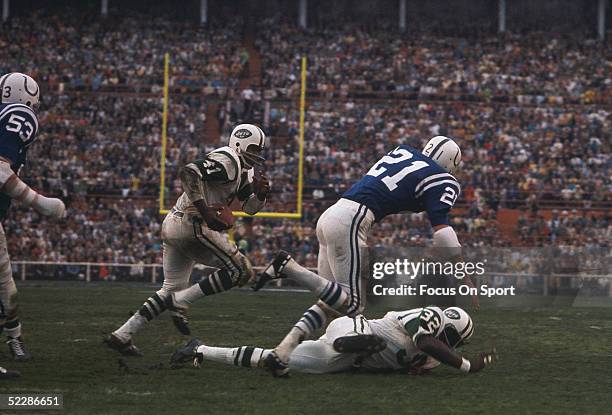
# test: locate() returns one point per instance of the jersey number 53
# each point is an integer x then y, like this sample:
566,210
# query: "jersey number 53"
21,126
396,156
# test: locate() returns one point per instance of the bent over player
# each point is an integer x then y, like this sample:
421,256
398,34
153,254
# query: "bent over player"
413,341
406,179
192,231
18,128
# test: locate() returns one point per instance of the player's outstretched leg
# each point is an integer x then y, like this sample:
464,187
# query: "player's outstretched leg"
121,339
245,356
283,266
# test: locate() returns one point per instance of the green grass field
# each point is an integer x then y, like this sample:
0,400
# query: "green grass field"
552,360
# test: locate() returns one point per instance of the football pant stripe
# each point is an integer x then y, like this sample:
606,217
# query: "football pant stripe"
227,260
355,300
352,250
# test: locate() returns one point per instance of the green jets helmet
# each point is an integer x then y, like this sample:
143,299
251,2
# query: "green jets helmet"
249,141
458,327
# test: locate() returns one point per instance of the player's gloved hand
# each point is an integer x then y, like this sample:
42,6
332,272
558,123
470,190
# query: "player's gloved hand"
218,217
261,186
50,206
483,360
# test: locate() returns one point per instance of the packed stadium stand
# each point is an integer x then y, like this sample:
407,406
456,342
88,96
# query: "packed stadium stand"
530,109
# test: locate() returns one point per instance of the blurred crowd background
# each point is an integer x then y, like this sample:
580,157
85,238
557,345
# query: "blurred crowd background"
530,109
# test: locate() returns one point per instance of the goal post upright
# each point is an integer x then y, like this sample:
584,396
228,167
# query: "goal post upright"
300,183
164,137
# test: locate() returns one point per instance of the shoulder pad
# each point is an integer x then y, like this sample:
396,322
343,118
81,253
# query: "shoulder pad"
229,159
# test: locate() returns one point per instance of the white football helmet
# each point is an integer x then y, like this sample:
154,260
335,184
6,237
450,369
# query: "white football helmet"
458,327
18,88
444,151
249,141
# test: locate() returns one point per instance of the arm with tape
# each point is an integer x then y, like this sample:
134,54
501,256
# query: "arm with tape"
16,189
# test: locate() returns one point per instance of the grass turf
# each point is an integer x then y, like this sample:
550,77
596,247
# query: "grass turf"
552,360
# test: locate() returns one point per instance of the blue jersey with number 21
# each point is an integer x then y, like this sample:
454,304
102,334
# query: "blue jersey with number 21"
407,180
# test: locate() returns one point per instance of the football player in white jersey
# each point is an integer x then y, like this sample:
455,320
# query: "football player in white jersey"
192,232
18,127
414,341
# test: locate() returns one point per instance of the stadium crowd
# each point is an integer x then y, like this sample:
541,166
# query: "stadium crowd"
539,134
526,69
83,52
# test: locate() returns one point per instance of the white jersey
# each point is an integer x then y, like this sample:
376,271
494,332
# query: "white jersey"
401,329
225,163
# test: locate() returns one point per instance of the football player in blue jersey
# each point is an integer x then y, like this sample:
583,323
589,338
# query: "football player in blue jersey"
406,179
18,127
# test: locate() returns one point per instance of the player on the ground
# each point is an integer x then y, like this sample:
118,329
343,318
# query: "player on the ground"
413,341
406,179
192,232
18,128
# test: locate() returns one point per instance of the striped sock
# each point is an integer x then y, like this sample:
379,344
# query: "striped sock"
245,356
153,307
334,296
313,319
215,283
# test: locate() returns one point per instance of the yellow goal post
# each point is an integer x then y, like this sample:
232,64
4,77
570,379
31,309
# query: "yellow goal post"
164,138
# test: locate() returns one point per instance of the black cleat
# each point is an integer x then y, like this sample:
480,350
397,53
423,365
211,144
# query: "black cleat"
8,374
361,344
18,349
273,271
186,353
125,348
179,318
276,366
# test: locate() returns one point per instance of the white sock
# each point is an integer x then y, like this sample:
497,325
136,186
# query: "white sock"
14,332
245,356
189,295
307,278
131,327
